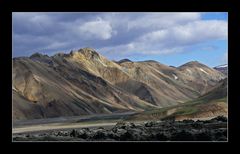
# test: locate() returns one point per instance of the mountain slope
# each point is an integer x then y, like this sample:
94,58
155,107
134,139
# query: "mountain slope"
84,82
222,68
200,76
212,104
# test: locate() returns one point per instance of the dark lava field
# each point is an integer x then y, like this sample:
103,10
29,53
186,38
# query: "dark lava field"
168,130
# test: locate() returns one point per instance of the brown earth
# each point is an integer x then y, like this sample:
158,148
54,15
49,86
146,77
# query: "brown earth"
84,82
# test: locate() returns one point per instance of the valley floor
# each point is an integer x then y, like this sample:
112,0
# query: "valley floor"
97,120
111,130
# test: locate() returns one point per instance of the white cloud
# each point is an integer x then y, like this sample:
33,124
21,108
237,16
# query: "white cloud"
99,29
136,49
111,33
173,40
56,44
162,20
190,33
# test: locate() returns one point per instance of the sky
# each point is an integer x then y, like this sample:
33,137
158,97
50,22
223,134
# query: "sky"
172,38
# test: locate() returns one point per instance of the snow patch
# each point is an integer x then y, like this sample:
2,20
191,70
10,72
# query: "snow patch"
14,88
175,77
203,70
222,66
36,77
189,71
101,62
125,69
39,79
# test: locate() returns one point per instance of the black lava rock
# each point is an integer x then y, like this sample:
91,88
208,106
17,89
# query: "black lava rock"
182,135
186,130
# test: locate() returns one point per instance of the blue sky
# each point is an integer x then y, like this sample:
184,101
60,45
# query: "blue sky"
170,38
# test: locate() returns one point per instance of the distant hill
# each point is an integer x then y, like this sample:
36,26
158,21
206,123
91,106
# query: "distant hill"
222,68
83,82
124,60
212,104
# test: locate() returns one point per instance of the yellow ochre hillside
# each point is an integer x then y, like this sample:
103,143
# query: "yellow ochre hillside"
84,82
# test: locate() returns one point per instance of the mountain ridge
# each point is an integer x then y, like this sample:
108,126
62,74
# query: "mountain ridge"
222,68
85,82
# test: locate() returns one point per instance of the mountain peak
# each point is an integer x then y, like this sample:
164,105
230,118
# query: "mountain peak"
150,61
124,60
192,63
60,54
222,66
37,54
89,53
41,58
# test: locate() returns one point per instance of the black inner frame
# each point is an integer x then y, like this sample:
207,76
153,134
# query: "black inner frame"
7,7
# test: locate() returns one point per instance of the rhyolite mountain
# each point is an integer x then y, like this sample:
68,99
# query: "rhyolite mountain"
222,68
212,104
84,82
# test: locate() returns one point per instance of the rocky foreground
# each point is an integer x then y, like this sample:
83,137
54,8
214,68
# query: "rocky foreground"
169,130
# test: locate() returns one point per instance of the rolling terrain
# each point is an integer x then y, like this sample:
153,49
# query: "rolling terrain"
222,68
83,82
210,105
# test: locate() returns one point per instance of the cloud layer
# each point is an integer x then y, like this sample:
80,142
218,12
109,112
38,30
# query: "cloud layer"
115,35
